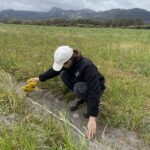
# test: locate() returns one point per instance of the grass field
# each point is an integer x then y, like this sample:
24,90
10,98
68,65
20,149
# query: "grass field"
122,55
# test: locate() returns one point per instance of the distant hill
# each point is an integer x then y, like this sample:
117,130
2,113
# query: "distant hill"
135,13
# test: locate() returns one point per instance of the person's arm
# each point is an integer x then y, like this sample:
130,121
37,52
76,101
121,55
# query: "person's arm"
92,81
46,75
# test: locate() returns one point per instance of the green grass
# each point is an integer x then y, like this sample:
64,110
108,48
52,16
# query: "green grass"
38,133
10,99
121,55
33,130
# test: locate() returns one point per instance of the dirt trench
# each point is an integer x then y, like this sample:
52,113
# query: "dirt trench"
106,138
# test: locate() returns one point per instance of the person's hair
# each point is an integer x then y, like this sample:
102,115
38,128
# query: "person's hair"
76,54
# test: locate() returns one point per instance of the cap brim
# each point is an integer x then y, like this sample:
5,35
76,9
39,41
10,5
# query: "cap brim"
57,67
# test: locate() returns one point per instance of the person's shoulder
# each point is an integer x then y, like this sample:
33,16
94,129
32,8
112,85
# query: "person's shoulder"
89,64
87,61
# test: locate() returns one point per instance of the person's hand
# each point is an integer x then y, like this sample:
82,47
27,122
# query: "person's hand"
91,128
35,79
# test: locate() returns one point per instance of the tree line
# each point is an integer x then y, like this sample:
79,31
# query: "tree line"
94,23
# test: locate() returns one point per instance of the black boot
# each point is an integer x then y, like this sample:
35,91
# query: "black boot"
76,106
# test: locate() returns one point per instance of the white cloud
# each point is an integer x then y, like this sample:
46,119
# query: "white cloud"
98,5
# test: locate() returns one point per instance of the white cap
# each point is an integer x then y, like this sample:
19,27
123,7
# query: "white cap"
61,55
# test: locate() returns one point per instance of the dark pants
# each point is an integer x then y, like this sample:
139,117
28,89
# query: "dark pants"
79,88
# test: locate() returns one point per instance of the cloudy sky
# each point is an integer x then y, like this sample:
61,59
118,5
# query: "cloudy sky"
97,5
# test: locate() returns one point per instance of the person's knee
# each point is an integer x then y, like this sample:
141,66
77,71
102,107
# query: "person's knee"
80,88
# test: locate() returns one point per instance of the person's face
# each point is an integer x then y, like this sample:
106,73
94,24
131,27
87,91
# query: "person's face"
68,64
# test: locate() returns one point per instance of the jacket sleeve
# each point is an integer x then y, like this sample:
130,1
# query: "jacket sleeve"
92,81
48,74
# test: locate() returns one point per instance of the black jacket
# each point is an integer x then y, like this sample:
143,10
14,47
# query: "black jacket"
83,70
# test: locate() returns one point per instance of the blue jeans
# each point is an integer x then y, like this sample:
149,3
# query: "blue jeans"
79,88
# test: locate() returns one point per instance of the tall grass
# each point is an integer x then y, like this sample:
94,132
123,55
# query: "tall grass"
32,130
10,99
37,133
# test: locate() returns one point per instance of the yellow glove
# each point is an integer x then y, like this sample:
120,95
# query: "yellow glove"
31,86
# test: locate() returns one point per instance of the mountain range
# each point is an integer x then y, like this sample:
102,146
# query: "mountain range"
55,12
